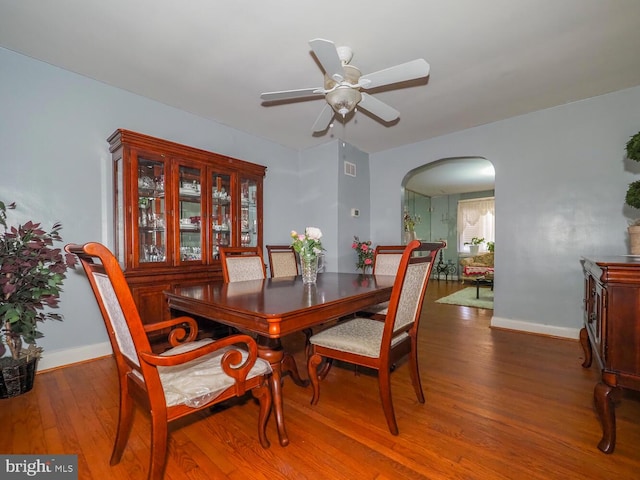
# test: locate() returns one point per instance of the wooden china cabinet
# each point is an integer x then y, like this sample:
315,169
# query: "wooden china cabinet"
175,206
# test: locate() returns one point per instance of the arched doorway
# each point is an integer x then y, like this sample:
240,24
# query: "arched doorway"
431,192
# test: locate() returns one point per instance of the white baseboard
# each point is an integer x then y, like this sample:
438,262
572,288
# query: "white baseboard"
551,330
61,358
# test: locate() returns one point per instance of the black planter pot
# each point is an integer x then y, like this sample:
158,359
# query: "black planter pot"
16,376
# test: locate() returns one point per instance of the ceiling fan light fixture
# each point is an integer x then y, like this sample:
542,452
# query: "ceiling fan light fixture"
344,99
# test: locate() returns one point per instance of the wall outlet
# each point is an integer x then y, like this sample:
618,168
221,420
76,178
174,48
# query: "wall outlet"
355,212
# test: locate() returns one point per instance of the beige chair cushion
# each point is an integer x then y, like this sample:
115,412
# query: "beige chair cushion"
387,263
283,264
361,336
200,381
244,268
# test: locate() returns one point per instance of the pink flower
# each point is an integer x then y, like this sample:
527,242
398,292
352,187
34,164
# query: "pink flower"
364,247
367,261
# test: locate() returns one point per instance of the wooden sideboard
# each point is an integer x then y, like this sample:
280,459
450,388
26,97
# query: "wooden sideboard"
611,334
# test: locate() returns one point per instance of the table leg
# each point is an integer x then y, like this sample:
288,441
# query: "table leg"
271,351
477,288
289,366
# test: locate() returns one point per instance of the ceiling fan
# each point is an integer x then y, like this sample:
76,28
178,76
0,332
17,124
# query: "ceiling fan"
343,84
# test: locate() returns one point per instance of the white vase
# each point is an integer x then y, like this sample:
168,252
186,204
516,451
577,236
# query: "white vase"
409,235
474,249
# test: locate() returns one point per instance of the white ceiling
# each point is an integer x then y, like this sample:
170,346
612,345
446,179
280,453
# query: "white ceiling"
489,60
452,176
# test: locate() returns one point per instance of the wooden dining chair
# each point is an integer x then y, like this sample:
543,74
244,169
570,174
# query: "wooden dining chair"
191,376
283,261
242,263
366,342
386,260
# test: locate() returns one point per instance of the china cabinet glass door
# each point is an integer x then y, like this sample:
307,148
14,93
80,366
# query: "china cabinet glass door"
221,213
248,213
152,234
190,214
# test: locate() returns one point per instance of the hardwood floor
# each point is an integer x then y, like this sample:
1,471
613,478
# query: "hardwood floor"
499,405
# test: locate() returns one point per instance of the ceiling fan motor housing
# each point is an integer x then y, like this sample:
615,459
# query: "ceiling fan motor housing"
344,96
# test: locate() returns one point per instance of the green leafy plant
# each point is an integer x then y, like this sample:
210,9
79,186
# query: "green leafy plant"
365,254
475,241
491,246
31,276
632,198
410,222
633,148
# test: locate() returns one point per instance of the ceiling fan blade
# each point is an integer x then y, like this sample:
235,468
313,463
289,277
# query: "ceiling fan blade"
378,108
324,119
328,57
287,94
400,73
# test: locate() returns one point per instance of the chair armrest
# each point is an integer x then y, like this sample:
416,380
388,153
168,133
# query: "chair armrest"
178,335
232,363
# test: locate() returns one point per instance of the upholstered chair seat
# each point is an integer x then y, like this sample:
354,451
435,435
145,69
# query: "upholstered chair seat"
201,380
361,336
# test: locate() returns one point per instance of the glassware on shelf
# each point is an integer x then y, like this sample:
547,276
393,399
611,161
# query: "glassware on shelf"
153,253
190,253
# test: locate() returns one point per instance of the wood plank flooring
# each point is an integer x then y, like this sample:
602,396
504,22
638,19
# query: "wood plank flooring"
499,405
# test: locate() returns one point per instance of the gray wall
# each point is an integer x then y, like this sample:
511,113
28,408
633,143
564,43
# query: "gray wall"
353,192
55,164
560,185
561,178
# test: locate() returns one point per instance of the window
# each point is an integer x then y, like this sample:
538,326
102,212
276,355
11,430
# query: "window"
476,218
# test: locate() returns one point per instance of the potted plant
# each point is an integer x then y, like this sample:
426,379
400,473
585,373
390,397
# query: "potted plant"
491,246
31,274
474,245
409,223
632,197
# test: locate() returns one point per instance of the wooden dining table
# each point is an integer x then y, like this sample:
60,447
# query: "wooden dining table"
275,307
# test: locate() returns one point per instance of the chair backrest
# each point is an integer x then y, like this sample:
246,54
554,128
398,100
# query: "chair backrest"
282,261
119,312
407,296
242,263
387,258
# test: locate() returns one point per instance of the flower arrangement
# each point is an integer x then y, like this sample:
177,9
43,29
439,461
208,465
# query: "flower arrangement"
365,254
307,244
410,222
31,275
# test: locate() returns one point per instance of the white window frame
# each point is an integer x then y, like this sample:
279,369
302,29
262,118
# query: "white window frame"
476,218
